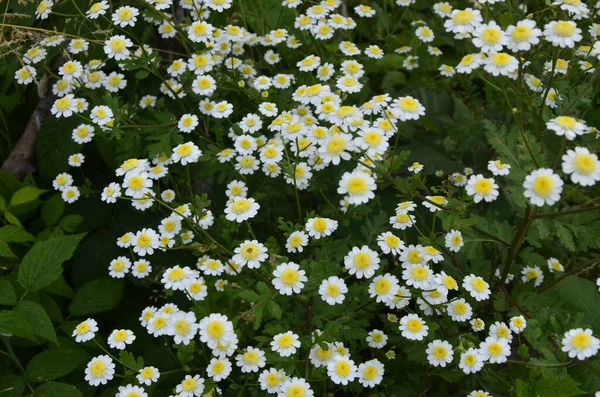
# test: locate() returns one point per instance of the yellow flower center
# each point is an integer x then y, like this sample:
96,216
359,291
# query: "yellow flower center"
483,186
289,276
564,28
543,185
584,163
98,368
581,340
241,206
462,17
414,325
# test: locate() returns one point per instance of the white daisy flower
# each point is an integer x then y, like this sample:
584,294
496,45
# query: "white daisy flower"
542,187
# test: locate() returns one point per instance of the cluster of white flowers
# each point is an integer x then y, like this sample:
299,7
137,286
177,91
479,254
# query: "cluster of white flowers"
314,124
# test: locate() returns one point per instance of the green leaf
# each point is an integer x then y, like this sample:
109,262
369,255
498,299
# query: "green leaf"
7,293
60,288
10,218
14,234
55,389
565,236
274,309
70,223
14,323
12,385
43,263
249,295
130,361
54,364
97,296
25,195
185,353
5,251
38,319
582,296
555,385
52,210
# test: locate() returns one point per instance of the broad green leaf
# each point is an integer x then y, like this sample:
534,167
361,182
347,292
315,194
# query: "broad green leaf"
97,296
555,385
54,364
7,293
38,319
14,323
56,389
14,234
12,386
52,210
43,263
25,195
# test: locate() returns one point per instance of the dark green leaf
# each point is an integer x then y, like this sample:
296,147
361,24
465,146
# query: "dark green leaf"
7,293
56,389
12,386
555,385
14,323
54,364
97,296
52,210
38,319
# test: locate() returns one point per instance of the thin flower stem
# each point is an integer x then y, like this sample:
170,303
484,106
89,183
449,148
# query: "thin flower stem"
568,212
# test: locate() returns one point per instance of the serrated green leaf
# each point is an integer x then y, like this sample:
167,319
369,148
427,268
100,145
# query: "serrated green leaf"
274,309
554,385
130,361
42,265
564,236
249,295
97,296
38,319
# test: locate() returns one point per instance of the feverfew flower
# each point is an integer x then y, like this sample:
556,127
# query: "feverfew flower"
497,167
582,166
439,353
288,278
482,188
332,290
285,344
363,262
240,209
359,187
495,350
567,126
477,287
85,330
413,327
99,370
580,343
543,187
120,338
562,33
454,240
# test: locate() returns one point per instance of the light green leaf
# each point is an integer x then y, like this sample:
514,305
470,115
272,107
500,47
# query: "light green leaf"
38,319
97,296
54,364
14,234
55,389
25,195
10,218
7,293
43,263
